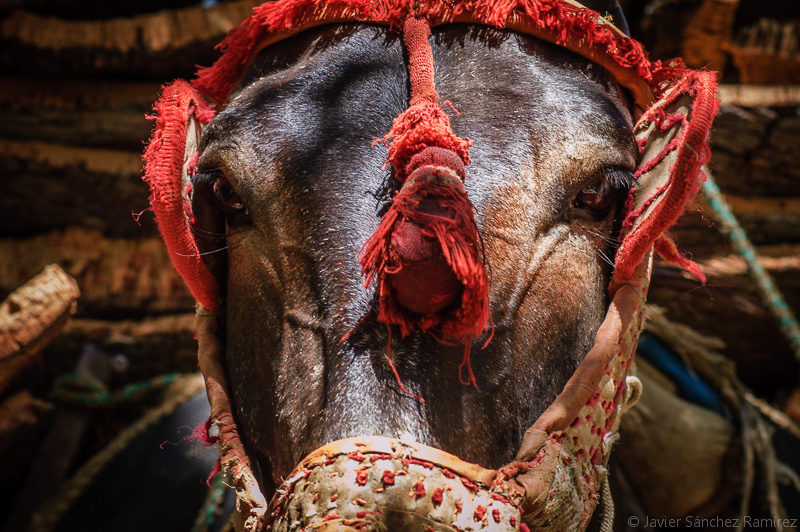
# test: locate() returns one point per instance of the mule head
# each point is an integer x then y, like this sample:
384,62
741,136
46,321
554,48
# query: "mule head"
290,174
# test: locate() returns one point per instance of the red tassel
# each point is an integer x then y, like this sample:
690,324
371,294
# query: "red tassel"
410,266
427,256
421,126
668,251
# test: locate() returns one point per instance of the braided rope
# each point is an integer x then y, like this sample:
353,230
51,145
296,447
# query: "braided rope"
222,430
770,293
607,502
212,505
631,396
79,390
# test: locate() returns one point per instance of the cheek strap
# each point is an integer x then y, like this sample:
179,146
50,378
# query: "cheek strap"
673,144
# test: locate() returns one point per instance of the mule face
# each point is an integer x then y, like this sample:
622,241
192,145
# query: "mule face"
292,165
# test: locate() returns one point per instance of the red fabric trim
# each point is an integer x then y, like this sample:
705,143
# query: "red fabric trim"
668,251
164,160
574,28
685,176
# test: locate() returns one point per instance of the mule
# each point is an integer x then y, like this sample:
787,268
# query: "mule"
290,180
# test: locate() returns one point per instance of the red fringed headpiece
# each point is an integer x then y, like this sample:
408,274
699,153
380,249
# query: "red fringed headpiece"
426,257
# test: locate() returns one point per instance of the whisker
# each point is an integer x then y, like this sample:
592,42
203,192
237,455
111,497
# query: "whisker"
609,240
599,252
202,232
603,256
202,254
612,243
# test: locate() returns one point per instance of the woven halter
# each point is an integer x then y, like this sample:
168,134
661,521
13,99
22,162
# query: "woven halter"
555,480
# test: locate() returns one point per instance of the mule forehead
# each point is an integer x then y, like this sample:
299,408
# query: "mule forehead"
519,99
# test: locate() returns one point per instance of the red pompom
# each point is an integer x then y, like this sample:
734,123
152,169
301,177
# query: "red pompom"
423,281
427,258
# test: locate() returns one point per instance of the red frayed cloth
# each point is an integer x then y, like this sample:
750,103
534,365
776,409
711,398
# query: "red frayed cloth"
450,233
165,159
556,21
668,250
645,226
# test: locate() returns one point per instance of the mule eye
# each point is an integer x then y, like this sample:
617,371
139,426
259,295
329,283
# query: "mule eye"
596,200
228,199
214,187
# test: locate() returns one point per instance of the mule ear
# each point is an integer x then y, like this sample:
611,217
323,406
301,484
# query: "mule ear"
610,9
673,145
169,160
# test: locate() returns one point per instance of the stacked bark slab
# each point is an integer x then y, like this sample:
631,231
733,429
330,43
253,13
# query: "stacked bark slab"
30,318
74,95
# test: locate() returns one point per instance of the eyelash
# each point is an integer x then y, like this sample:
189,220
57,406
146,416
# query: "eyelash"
225,195
594,201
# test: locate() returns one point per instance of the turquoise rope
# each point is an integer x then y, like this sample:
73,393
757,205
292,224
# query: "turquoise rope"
88,392
769,292
210,510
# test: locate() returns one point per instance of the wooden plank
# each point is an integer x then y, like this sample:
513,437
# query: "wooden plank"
147,32
730,307
32,316
163,43
766,221
768,52
708,33
48,186
35,312
780,258
762,68
101,114
754,151
759,95
64,157
786,209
